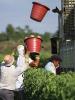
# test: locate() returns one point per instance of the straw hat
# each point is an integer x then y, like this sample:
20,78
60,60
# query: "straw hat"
9,60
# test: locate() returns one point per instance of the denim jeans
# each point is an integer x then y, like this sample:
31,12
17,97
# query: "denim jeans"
6,94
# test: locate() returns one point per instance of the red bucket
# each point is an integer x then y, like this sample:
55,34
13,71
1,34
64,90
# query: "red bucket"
38,11
33,44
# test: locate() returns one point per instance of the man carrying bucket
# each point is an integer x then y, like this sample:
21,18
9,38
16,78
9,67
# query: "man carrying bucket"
23,57
33,45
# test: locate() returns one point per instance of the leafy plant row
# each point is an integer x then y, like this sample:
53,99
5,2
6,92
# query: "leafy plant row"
40,84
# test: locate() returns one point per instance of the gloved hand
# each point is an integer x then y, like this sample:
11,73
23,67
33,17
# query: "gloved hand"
20,49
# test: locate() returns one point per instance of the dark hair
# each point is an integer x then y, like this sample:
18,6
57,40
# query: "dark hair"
33,55
55,57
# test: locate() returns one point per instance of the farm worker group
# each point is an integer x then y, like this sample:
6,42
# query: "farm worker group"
12,76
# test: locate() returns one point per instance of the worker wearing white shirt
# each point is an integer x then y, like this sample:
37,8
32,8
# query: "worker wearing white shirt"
23,57
53,64
19,82
9,75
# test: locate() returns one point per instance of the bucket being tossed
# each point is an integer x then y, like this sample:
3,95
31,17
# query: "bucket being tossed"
38,11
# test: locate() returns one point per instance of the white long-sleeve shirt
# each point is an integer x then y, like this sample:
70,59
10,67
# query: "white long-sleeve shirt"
20,62
50,67
9,76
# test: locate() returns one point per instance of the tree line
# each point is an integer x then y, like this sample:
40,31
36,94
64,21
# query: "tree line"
17,33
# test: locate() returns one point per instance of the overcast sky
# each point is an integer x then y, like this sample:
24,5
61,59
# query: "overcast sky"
17,13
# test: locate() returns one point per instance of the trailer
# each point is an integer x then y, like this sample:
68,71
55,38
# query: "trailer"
66,35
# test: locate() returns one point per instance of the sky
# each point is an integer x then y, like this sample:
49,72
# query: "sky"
17,13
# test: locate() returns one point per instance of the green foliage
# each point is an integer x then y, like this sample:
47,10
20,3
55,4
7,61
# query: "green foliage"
42,85
1,57
44,57
3,37
19,33
10,31
46,36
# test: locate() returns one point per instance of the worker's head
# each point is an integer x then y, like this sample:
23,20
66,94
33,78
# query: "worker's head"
8,60
20,49
56,60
